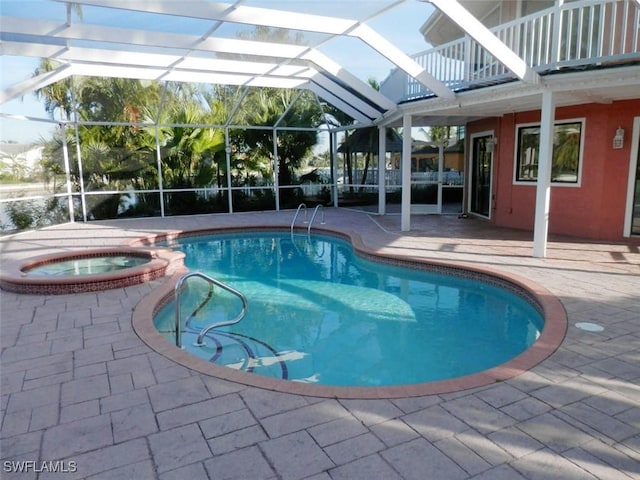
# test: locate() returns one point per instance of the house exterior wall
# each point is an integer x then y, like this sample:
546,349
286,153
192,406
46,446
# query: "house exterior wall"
595,208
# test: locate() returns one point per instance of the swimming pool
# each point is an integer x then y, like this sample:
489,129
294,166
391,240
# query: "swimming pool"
320,314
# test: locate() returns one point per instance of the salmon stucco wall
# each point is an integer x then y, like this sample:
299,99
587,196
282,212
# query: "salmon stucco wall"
595,208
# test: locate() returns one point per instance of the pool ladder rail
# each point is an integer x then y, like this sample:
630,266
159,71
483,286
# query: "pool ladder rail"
303,207
212,282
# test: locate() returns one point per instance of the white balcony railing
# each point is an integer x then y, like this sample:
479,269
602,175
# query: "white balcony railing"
577,34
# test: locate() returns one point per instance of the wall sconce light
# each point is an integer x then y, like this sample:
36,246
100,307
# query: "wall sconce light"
618,138
490,144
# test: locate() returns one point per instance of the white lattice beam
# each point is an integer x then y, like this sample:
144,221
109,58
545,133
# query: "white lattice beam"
476,30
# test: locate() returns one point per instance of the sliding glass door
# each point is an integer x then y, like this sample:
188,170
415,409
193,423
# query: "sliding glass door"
480,178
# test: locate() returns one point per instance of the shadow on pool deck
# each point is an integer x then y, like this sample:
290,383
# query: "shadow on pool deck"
79,385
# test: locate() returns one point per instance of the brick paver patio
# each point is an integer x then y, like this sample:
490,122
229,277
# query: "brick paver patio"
79,386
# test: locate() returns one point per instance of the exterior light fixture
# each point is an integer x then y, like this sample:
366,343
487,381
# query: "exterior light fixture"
618,138
490,144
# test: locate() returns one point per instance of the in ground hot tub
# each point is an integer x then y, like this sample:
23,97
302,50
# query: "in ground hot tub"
89,270
82,266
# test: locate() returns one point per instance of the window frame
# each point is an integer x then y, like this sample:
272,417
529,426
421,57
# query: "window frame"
556,183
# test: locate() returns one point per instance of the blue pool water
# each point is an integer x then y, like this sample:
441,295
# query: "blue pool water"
318,313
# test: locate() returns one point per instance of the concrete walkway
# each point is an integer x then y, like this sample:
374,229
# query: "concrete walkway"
78,386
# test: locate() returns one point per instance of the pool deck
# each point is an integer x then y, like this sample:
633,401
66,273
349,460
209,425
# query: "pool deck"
78,384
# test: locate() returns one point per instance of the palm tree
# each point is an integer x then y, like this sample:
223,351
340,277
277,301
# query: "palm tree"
189,147
265,107
57,96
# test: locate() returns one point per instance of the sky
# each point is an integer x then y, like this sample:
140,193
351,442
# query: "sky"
400,26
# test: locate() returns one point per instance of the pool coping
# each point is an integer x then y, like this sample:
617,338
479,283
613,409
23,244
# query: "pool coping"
549,305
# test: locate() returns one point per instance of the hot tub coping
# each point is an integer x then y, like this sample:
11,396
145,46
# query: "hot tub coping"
161,262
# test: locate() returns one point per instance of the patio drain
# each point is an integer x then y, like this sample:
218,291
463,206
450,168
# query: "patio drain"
589,327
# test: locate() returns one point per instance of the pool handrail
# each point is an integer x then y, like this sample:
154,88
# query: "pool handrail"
315,212
212,281
301,206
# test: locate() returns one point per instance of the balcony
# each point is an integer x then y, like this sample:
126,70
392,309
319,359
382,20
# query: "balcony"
575,36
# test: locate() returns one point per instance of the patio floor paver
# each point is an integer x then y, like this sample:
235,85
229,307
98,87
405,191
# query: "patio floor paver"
78,385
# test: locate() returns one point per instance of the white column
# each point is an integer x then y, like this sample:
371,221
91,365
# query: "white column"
83,198
543,185
276,169
382,169
333,142
440,175
405,207
76,119
159,166
228,160
67,171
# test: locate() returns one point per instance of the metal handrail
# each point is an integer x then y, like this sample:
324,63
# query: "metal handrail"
315,211
301,206
212,282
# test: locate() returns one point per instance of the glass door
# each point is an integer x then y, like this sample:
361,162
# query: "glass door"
426,183
481,164
635,206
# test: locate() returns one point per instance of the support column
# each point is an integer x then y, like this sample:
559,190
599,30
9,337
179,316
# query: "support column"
405,207
159,166
382,169
67,172
227,150
333,143
83,198
440,175
543,185
76,119
276,169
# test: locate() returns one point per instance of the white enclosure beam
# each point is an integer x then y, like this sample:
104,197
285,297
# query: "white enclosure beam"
440,175
276,170
405,203
476,30
345,95
333,147
339,103
402,61
283,19
227,12
382,168
543,185
326,64
67,170
194,46
156,66
222,79
35,83
232,72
